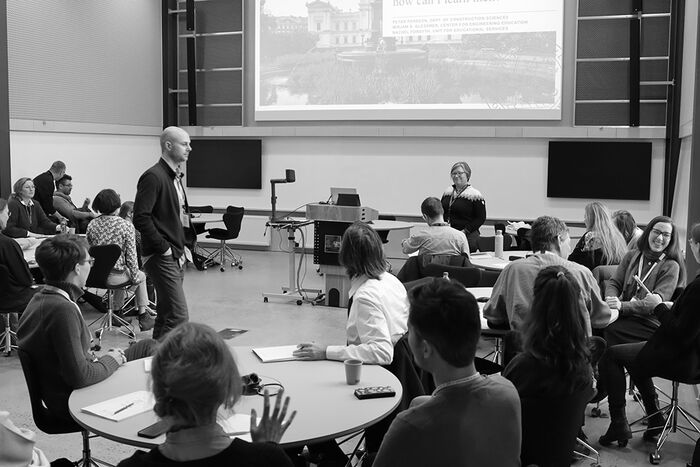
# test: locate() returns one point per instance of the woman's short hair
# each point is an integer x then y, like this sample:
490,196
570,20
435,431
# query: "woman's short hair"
625,223
126,209
555,329
464,166
544,233
445,314
193,373
361,252
58,255
107,201
17,187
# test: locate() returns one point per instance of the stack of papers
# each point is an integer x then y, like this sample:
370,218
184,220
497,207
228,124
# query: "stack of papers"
282,353
236,426
122,407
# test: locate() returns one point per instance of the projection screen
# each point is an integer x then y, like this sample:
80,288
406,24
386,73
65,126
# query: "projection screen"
408,59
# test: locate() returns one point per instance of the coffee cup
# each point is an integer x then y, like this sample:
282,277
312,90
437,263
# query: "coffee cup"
353,369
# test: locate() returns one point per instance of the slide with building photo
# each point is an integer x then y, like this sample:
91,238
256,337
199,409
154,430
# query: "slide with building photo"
408,59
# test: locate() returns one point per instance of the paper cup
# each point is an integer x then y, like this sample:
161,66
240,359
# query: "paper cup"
353,369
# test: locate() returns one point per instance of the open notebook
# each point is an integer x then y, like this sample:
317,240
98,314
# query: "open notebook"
121,407
281,353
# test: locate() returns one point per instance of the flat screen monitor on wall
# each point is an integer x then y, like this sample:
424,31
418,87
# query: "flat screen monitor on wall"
599,170
408,60
225,163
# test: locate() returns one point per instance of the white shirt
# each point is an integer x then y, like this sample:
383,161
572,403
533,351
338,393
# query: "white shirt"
378,318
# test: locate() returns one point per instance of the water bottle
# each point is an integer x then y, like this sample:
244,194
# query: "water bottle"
498,244
446,276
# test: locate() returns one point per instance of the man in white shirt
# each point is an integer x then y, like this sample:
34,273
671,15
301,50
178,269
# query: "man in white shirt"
438,238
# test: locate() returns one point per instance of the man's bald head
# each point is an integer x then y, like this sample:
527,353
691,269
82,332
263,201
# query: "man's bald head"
175,144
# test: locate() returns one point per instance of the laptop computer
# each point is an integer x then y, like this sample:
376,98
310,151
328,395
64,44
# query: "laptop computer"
335,191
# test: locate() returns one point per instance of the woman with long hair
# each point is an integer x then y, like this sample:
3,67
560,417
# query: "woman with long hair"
555,359
647,276
602,244
627,226
193,375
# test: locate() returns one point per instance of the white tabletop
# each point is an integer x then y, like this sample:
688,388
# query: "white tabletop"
326,406
206,217
381,224
488,260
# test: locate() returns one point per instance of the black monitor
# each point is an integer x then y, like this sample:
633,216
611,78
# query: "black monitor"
225,163
599,170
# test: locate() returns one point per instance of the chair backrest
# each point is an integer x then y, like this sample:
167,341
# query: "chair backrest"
105,258
234,209
488,278
550,426
523,239
415,382
43,418
467,276
233,220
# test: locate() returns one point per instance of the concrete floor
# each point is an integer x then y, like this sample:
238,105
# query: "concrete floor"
233,299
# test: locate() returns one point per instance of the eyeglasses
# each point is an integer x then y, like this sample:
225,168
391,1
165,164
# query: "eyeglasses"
657,233
91,261
454,174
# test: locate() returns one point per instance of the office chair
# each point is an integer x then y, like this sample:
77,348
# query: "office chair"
105,258
467,276
232,218
197,229
48,422
488,278
8,334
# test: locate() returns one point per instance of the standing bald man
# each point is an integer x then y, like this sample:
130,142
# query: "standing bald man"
160,214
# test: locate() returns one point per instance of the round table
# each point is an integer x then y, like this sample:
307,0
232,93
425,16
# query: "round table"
489,261
326,406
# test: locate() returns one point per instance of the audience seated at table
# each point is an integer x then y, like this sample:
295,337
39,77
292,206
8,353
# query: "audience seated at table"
658,264
672,352
438,238
463,205
78,217
512,295
54,334
470,419
108,229
20,288
378,303
627,226
602,244
194,375
27,217
555,361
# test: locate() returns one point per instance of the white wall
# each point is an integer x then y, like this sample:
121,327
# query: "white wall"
394,175
94,161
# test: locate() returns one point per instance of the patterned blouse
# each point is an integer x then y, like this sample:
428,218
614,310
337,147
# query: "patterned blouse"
106,230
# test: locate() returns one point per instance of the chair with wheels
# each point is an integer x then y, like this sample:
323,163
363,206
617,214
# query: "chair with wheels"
45,420
105,258
232,219
198,228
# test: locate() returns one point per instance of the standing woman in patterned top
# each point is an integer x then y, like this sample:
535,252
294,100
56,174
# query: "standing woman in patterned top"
464,206
108,229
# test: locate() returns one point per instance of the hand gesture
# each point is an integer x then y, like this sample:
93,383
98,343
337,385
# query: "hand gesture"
613,302
653,299
310,351
271,427
86,203
118,355
140,277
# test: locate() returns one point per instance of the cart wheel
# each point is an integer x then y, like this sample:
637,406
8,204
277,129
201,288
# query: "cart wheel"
240,266
654,458
264,299
595,412
222,269
299,302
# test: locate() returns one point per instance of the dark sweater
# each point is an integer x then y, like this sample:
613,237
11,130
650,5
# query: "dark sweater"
25,219
157,212
19,289
54,334
43,191
238,453
467,212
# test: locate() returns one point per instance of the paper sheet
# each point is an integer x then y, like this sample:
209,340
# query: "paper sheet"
280,353
236,426
113,409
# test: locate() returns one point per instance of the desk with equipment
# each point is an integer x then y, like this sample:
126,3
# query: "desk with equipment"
326,406
330,222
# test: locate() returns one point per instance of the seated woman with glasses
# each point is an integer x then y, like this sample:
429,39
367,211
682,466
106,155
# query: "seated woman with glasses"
109,228
194,375
646,277
672,352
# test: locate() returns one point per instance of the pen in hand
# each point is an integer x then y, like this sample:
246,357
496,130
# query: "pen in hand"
123,408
